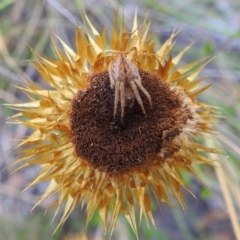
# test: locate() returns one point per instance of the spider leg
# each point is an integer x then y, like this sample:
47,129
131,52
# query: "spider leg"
112,82
116,97
144,91
122,99
136,93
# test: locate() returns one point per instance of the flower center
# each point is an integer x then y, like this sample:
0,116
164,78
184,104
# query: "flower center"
112,145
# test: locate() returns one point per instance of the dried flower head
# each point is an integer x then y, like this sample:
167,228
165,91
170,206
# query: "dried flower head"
117,125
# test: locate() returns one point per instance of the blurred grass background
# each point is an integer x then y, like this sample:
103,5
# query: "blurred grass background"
213,27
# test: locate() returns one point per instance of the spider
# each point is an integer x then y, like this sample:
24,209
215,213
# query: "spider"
125,78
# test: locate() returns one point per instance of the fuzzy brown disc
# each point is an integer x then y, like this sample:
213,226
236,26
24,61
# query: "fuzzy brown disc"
116,146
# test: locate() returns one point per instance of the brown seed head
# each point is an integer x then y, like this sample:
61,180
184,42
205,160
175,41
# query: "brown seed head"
115,146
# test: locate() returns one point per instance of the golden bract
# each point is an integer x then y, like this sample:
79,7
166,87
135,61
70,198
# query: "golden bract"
91,156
